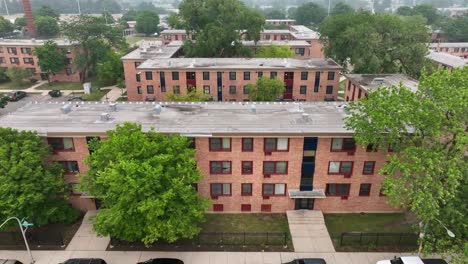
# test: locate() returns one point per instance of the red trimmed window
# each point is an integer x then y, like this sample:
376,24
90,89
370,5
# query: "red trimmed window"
364,189
274,189
220,167
220,189
340,167
276,144
337,189
368,168
218,207
247,167
247,144
275,167
61,144
69,167
220,144
246,189
246,207
266,207
343,144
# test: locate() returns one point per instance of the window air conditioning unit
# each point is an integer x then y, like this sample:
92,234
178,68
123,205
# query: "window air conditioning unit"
344,197
347,175
351,153
265,197
266,175
267,152
214,197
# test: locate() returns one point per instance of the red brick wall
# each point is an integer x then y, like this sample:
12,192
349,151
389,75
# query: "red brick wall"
352,91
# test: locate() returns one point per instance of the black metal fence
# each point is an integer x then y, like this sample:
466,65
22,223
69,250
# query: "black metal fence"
378,239
36,239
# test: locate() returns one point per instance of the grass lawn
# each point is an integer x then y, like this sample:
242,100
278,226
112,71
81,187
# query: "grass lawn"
61,86
246,223
11,86
95,95
370,223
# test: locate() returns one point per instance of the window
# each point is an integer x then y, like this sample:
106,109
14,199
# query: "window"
192,142
371,148
206,76
28,61
220,167
329,89
246,208
368,168
2,60
149,76
246,189
270,189
69,167
275,167
232,76
267,37
246,89
206,89
1,50
317,81
364,189
68,61
175,76
137,63
335,189
218,207
220,144
247,167
26,50
260,74
276,144
340,167
266,207
246,76
300,51
273,75
12,50
343,144
381,192
31,70
232,89
138,77
14,60
195,186
303,89
331,76
163,89
176,89
139,90
304,76
247,144
61,144
68,71
150,89
220,189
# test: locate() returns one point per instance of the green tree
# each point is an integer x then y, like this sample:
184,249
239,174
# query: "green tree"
174,21
147,22
275,14
428,129
51,58
6,27
456,29
107,17
46,26
195,95
378,43
427,11
129,16
275,51
17,75
110,70
46,11
310,14
95,39
341,8
219,27
405,11
3,101
29,187
20,22
266,89
144,181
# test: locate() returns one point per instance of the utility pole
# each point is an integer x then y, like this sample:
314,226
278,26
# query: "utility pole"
329,6
79,6
6,7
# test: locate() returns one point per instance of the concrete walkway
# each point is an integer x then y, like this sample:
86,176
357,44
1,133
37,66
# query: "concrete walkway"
308,231
113,94
132,257
86,239
31,89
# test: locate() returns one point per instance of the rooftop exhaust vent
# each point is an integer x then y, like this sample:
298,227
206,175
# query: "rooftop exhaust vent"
105,117
65,109
253,109
157,109
378,80
113,107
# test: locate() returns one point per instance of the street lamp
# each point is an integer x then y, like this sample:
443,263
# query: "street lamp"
421,234
79,6
22,224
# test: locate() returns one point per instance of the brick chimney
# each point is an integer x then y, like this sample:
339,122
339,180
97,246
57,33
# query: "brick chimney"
29,19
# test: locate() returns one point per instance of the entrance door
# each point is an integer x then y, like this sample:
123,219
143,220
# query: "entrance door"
302,203
288,93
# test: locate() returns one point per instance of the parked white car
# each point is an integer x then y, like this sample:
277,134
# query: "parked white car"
412,260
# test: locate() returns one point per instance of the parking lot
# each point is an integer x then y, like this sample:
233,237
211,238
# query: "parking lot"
13,106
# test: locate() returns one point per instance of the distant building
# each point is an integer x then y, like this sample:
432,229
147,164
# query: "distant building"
459,49
280,22
302,49
446,61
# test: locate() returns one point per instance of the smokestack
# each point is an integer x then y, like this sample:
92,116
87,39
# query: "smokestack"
29,18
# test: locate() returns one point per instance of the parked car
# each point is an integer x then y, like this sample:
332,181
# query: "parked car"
162,261
16,95
411,260
307,261
10,261
85,261
55,93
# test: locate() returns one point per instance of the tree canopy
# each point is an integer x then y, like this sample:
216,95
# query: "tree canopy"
195,95
341,8
427,11
428,129
46,11
275,14
218,27
144,181
147,22
456,28
51,58
309,14
110,69
6,27
46,26
266,90
17,74
379,43
275,51
29,187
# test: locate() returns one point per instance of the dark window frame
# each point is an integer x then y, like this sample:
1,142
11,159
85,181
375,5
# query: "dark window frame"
342,145
246,170
362,191
337,188
246,193
275,171
243,145
221,166
274,189
276,144
340,172
222,189
221,144
364,168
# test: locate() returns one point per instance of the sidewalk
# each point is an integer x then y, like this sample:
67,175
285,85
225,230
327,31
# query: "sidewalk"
113,94
86,239
129,257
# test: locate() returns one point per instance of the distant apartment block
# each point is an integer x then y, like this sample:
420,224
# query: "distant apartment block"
255,157
280,22
459,49
359,85
446,61
20,53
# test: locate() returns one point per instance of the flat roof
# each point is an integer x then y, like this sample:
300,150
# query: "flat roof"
275,31
295,43
153,50
174,31
449,45
32,42
195,119
239,63
447,59
303,32
286,20
368,82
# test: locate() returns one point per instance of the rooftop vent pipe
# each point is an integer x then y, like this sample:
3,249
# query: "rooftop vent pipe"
65,109
157,109
253,109
105,117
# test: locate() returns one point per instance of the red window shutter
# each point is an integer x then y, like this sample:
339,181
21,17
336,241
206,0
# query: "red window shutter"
266,208
246,207
218,207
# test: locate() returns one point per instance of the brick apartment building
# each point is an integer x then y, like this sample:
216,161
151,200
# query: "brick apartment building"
20,53
225,79
446,61
264,157
359,85
459,49
280,22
